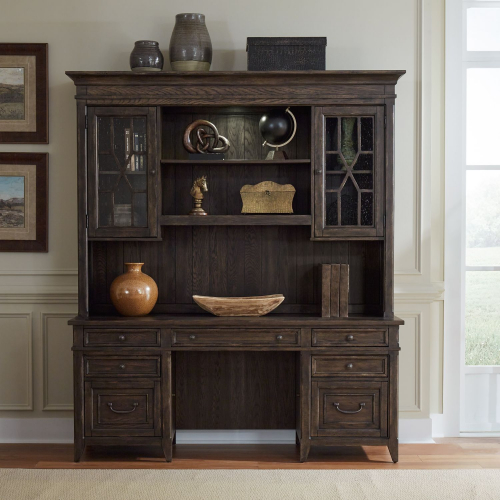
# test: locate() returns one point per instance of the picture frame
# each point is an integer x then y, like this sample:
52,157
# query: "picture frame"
24,202
24,93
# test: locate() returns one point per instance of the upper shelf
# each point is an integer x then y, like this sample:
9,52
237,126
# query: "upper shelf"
236,162
236,220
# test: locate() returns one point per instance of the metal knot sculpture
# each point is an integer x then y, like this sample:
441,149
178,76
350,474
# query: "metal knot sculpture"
207,141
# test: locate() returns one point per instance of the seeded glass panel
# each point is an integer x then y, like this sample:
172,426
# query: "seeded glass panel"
483,109
349,204
349,139
364,162
331,138
367,134
482,318
138,182
364,181
104,131
108,182
108,163
331,212
367,209
105,209
121,148
483,218
140,210
334,162
333,181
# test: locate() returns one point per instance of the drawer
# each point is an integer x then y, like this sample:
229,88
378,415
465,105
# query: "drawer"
235,337
343,337
122,408
349,366
124,337
122,366
349,409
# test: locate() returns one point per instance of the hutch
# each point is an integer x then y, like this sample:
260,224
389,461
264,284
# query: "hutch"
334,380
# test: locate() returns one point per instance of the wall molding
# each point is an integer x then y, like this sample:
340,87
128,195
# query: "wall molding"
418,165
28,406
417,404
34,294
419,294
39,272
44,317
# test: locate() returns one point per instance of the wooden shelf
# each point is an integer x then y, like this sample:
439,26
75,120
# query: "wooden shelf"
235,162
236,220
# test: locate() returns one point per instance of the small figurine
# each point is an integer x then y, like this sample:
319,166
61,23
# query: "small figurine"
199,187
208,142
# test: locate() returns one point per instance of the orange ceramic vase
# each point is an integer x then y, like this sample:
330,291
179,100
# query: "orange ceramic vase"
134,293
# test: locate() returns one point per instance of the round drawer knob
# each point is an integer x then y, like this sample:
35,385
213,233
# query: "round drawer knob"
279,337
350,338
121,337
349,366
122,367
192,337
153,172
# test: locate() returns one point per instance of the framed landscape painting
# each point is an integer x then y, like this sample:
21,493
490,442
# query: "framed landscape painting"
23,202
23,93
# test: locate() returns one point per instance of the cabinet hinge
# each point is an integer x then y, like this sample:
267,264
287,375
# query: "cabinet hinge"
87,221
385,121
86,122
384,220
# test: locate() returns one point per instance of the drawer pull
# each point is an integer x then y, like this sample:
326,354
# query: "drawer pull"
349,366
135,405
361,406
279,337
350,338
122,367
121,337
192,337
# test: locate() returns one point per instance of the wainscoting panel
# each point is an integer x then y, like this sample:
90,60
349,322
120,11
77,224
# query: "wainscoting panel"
57,339
16,361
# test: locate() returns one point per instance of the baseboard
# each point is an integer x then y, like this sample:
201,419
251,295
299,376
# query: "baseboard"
60,430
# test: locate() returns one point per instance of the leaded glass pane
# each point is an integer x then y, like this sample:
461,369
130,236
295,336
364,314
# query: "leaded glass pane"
349,204
332,218
331,138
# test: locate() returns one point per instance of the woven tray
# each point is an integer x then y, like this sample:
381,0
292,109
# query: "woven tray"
267,198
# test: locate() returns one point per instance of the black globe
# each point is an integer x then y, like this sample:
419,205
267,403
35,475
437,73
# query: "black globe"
276,127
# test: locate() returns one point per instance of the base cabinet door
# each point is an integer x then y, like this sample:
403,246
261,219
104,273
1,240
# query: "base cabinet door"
341,408
122,408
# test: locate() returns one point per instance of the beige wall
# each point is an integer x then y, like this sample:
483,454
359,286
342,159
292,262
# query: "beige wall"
38,291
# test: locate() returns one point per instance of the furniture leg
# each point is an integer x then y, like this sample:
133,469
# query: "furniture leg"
305,447
166,445
393,449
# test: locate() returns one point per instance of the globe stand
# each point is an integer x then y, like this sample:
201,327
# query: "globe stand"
281,155
276,155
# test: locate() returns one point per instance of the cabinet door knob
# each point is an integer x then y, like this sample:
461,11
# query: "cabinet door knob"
121,337
349,366
192,337
279,337
153,172
319,171
350,338
122,367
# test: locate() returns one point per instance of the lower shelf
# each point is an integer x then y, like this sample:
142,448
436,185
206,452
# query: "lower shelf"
236,220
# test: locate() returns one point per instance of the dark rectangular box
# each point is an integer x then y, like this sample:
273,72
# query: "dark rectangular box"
286,53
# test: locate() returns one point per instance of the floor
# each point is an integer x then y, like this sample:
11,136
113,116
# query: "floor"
446,453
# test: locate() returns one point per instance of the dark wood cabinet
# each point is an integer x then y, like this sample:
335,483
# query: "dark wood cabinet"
139,380
123,172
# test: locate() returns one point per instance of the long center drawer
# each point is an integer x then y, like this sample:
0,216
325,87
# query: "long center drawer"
235,337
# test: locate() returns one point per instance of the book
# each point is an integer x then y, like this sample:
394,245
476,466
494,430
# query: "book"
344,291
335,290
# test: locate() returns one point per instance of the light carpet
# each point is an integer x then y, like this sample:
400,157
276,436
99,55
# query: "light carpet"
39,484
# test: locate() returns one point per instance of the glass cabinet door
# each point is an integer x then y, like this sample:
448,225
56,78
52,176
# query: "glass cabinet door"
122,172
349,168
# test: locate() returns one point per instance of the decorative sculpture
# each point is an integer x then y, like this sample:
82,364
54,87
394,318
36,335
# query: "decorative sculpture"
207,141
277,128
199,187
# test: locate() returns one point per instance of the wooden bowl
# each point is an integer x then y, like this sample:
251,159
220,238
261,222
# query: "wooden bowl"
239,306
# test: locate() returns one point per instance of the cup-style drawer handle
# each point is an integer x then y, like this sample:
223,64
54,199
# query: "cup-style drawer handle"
135,405
361,406
350,338
349,366
192,337
279,337
121,337
122,367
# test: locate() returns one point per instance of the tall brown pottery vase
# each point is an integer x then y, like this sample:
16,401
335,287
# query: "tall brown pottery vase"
134,293
190,45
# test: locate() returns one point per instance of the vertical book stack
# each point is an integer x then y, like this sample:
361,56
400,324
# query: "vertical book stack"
334,290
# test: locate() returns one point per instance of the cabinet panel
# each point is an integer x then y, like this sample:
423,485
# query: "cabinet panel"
349,366
122,172
349,172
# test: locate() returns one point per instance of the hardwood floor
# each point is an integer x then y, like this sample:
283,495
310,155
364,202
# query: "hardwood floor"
447,453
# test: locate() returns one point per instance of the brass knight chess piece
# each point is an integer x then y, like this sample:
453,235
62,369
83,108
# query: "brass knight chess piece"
199,187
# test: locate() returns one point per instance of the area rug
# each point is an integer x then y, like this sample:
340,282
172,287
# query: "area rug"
39,484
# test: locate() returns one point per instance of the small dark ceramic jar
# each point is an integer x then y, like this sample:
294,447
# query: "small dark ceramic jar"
146,56
190,44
